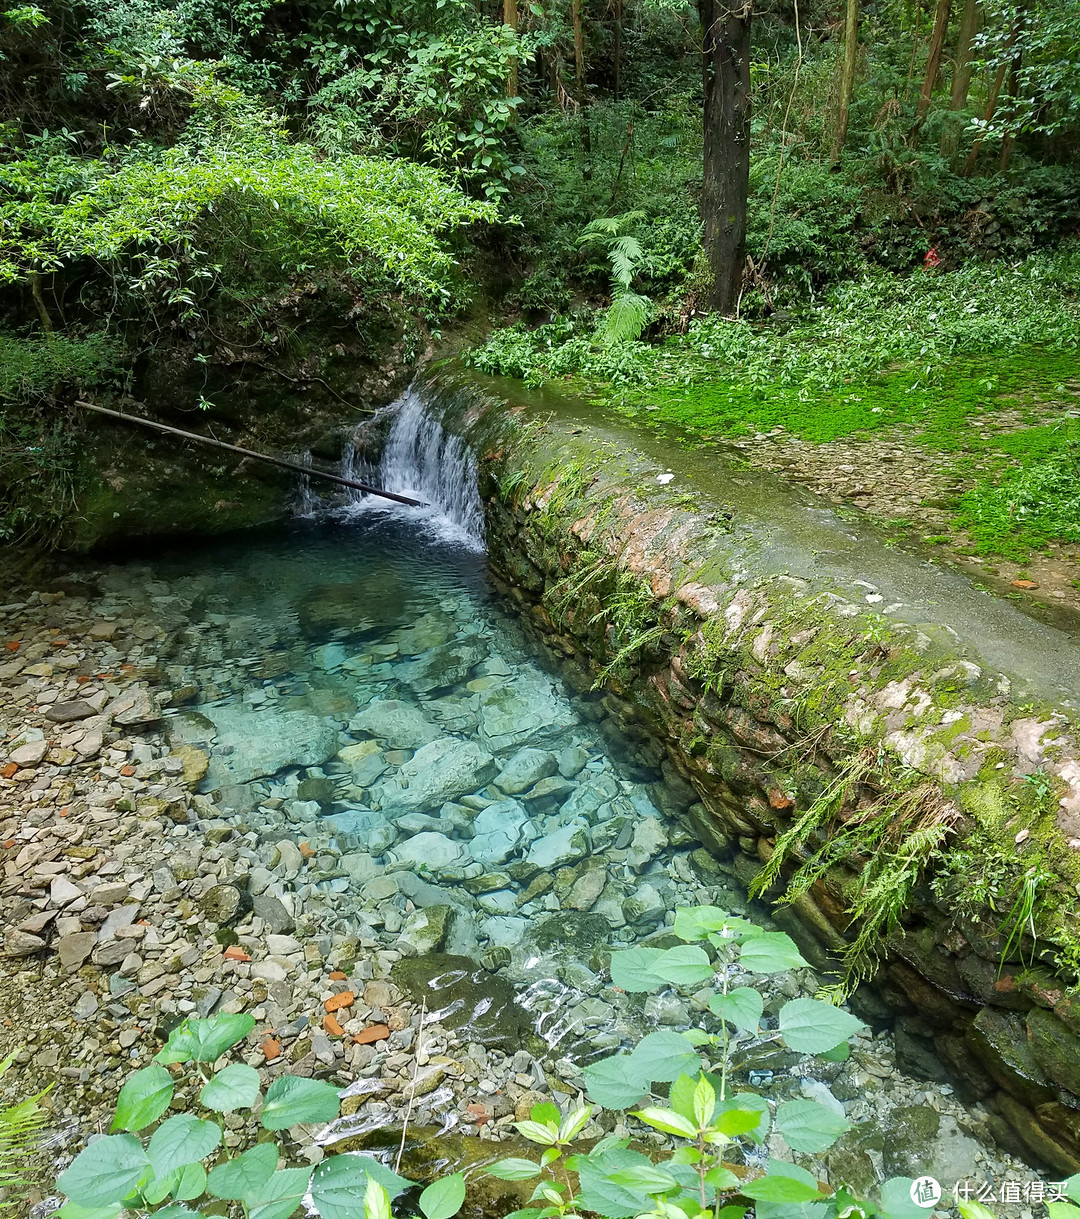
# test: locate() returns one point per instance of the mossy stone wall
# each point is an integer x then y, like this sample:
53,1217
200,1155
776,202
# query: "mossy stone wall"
760,696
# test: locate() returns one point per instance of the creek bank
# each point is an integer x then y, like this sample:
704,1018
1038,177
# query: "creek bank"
755,669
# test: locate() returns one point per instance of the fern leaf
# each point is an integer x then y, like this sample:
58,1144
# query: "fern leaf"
625,319
626,255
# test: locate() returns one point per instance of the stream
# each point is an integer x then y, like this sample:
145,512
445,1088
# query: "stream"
370,709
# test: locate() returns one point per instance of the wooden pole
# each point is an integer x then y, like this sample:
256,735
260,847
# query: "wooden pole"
274,461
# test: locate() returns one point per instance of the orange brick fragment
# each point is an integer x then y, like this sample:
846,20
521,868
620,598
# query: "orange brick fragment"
332,1026
478,1114
336,1002
9,770
336,975
9,844
271,1049
127,668
307,850
373,1032
235,953
1028,584
59,643
14,645
127,771
82,679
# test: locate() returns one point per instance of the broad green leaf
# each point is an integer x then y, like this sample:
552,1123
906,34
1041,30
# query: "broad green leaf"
681,1096
443,1198
177,1211
809,1126
159,1187
280,1194
896,1200
514,1169
73,1210
574,1122
704,1102
181,1140
205,1040
811,1026
1072,1187
108,1171
747,1102
234,1087
546,1114
736,1122
741,1007
719,1178
666,1120
770,952
598,1192
685,965
649,1180
839,1053
291,1099
663,1056
634,969
192,1183
537,1132
774,1187
1058,1210
143,1099
614,1082
699,922
242,1177
340,1183
732,1212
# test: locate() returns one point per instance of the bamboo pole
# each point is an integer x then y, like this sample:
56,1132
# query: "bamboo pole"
274,461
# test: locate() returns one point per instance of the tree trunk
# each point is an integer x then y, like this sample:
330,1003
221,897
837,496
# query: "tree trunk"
726,146
618,48
847,77
933,63
961,80
991,102
510,18
580,91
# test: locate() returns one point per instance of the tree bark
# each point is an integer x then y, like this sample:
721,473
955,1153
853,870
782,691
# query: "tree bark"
933,62
618,48
991,102
726,146
961,79
847,77
580,90
510,18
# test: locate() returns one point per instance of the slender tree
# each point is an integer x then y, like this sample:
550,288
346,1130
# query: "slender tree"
992,98
961,78
726,146
847,77
510,18
933,62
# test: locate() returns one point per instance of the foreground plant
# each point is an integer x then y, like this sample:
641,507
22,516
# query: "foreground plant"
716,1127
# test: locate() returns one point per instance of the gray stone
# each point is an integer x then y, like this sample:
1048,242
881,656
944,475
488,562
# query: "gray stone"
498,831
645,906
62,892
586,890
222,904
526,767
134,708
29,754
571,760
289,859
425,930
650,838
121,916
19,943
86,1006
442,770
75,948
562,846
273,913
67,713
252,744
504,931
441,668
401,725
524,710
110,893
111,952
431,852
358,866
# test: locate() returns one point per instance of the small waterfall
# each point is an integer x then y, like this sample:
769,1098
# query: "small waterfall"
422,459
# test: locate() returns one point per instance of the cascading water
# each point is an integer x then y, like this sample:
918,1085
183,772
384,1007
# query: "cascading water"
424,460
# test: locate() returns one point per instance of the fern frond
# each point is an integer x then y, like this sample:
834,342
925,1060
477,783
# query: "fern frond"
625,319
626,255
20,1126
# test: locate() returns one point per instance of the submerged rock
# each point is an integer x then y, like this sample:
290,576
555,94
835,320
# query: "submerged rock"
526,709
442,770
255,744
399,724
526,767
498,831
459,994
